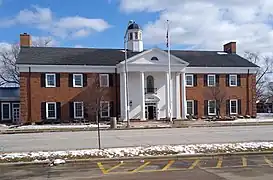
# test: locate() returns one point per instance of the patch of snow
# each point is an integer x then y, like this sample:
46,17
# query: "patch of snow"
60,126
58,161
221,53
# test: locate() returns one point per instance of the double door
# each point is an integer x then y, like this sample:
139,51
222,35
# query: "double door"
150,111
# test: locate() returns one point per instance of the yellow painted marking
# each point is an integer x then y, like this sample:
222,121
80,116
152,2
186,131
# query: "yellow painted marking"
244,161
194,164
168,165
114,167
141,167
220,162
268,161
103,170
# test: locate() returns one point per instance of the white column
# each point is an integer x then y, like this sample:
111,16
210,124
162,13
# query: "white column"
167,96
178,99
142,96
124,96
184,100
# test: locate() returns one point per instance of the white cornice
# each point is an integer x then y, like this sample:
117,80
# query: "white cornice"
221,70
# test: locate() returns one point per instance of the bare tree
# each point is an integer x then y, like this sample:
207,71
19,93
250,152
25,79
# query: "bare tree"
219,95
9,73
266,64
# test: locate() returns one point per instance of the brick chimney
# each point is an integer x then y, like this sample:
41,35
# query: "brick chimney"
25,40
230,48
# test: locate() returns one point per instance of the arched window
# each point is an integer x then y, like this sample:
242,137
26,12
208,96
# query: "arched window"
150,84
130,36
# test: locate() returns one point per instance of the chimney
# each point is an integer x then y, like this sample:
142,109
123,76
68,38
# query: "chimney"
25,40
230,48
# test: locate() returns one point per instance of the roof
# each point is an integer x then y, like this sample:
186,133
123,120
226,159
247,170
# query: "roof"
111,57
9,94
133,26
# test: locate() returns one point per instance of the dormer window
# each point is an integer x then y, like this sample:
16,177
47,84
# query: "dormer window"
154,58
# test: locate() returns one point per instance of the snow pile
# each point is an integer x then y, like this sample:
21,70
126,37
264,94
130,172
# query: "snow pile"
60,126
159,150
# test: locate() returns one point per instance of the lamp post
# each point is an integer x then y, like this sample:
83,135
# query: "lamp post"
126,75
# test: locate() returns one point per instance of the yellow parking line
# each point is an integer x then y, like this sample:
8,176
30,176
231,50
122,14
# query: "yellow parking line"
194,164
220,162
244,161
168,165
103,170
141,167
114,167
268,161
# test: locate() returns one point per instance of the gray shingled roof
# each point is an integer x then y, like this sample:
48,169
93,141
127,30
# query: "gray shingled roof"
110,57
9,94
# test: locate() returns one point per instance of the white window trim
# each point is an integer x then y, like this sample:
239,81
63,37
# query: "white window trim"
107,76
236,106
55,104
191,75
74,81
233,75
78,117
46,82
212,114
214,81
108,104
2,112
192,101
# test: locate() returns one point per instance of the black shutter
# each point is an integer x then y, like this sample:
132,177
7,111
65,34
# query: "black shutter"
227,107
217,79
42,79
58,110
111,108
58,79
195,80
84,80
71,110
43,110
70,80
227,80
195,107
205,80
205,107
85,112
238,80
239,106
218,107
111,80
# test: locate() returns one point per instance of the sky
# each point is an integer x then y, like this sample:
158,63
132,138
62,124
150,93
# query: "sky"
194,24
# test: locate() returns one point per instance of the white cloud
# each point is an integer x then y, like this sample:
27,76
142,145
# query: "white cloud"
208,24
42,18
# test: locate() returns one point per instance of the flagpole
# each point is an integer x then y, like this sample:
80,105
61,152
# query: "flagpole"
169,70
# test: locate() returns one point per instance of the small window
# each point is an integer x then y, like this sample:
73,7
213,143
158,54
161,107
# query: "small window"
189,80
130,36
104,80
5,109
190,105
77,80
140,36
233,106
211,80
78,110
232,80
104,109
51,110
212,107
154,58
50,80
136,35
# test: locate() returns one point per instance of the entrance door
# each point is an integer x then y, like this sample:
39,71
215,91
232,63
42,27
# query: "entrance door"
15,112
150,112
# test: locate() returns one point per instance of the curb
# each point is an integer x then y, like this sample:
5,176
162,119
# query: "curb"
142,158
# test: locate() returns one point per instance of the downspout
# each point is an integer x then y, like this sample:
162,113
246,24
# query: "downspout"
116,89
247,93
29,94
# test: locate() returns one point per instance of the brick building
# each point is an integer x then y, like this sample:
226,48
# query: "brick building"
64,84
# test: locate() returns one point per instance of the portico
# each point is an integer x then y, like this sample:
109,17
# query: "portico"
148,80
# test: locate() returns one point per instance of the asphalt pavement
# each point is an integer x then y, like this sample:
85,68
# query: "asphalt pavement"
124,138
254,167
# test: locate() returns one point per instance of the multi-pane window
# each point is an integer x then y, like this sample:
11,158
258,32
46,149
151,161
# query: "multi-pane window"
211,107
78,110
5,109
211,80
50,80
190,108
104,80
104,109
189,80
77,80
232,80
233,106
51,110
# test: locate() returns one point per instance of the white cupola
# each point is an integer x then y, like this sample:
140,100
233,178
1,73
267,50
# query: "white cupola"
134,35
